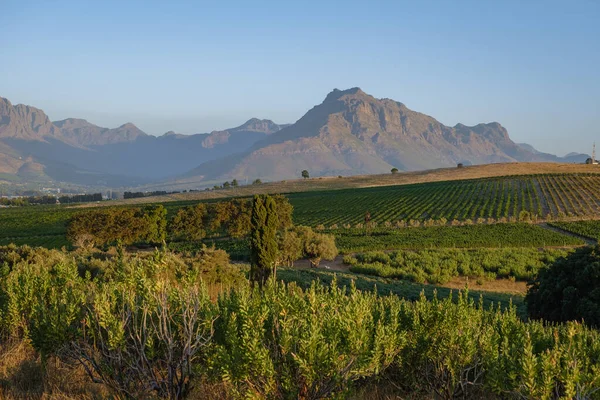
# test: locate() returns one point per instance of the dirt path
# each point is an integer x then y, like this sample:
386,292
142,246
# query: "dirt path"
335,265
588,241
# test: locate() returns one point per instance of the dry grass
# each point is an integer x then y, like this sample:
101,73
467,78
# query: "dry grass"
496,285
361,181
23,377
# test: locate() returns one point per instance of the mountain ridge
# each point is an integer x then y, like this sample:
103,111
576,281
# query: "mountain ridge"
350,132
77,151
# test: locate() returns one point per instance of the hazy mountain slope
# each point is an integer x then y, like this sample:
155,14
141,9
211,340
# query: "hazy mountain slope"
76,150
351,132
569,158
86,134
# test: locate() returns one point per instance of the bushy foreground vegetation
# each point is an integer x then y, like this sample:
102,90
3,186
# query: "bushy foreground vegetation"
468,236
148,325
441,265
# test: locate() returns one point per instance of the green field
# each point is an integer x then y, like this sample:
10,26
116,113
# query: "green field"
496,198
468,236
590,228
509,236
501,199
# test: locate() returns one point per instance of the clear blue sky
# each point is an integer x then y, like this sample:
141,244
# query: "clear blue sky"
533,66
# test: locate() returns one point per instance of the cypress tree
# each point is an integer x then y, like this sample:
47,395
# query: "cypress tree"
263,240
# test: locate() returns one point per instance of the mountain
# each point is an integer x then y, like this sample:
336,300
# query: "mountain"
578,158
77,151
351,132
85,134
529,148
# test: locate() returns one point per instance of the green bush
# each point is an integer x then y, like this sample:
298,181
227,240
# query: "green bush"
569,289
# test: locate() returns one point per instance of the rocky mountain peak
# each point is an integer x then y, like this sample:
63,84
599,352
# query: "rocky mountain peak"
337,94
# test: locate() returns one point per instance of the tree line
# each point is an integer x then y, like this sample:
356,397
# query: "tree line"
49,199
265,220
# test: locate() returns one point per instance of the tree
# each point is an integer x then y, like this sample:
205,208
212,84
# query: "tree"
189,223
263,239
394,170
291,247
568,289
226,185
315,246
305,174
284,211
234,183
257,182
320,246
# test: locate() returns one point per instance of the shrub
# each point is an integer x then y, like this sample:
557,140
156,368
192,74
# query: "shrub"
568,289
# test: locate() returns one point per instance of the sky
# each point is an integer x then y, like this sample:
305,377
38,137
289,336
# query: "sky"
198,66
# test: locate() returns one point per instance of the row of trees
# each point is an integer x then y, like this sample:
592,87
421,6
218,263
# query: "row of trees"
144,331
118,225
231,218
48,199
135,195
149,224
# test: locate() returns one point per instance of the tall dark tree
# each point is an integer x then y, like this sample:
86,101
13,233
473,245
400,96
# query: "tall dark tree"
305,174
263,239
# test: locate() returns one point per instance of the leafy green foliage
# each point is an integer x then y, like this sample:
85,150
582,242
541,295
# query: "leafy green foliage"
569,289
189,223
124,225
441,265
145,326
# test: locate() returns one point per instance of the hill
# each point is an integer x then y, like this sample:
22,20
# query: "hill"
352,133
75,150
363,181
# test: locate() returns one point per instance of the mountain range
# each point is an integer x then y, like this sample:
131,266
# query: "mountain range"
349,133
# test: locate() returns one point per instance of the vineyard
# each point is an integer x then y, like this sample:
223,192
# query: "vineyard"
498,198
503,199
438,266
590,229
468,236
